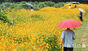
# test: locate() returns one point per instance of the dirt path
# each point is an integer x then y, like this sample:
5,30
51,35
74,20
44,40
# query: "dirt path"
84,34
83,39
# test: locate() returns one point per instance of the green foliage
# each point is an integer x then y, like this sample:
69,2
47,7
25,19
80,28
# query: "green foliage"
3,17
59,4
37,5
53,42
49,3
16,5
22,5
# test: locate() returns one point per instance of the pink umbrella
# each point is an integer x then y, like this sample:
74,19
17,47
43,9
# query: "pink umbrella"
69,24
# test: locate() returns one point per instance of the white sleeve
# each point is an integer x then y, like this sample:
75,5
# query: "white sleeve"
62,35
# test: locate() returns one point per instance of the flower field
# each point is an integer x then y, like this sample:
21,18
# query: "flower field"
36,30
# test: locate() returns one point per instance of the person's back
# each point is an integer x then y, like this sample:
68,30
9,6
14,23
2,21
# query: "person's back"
68,36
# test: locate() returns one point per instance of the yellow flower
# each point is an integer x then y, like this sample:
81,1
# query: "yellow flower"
46,50
33,28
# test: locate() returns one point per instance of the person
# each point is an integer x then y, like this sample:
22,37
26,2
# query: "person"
81,13
12,22
75,6
69,6
30,5
67,38
81,16
31,8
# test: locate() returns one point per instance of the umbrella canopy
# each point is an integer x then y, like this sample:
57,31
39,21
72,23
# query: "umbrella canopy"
69,24
81,10
75,2
29,5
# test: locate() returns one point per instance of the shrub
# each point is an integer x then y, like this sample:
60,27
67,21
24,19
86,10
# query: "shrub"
49,3
59,4
53,43
3,17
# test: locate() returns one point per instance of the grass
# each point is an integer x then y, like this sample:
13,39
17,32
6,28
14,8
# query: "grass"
79,34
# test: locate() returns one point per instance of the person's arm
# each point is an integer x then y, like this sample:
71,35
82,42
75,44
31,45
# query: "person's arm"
62,41
73,36
62,38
